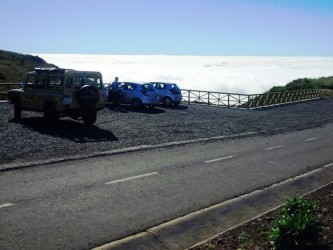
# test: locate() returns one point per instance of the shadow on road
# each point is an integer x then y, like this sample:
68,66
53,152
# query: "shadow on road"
178,107
128,108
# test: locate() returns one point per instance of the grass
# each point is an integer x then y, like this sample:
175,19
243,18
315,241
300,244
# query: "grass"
14,66
326,93
13,69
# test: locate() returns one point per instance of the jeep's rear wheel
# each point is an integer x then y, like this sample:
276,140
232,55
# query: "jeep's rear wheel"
89,118
17,110
87,96
50,114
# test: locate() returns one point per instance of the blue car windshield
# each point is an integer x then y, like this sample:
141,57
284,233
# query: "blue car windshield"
174,86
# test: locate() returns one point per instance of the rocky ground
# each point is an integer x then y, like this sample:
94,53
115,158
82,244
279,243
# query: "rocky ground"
122,127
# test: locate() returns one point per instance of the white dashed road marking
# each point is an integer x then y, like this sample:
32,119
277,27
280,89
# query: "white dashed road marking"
220,159
6,205
311,139
275,147
131,178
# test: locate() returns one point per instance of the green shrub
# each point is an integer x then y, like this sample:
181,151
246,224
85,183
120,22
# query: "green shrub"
300,84
324,83
305,84
278,89
244,240
295,227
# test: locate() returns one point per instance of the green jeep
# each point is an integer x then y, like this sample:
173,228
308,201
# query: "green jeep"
60,92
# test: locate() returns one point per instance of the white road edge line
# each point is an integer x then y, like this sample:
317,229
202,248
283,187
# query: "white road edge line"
311,139
274,147
6,205
131,178
220,159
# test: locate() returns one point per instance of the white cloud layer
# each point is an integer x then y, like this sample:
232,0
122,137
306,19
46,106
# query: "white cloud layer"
244,75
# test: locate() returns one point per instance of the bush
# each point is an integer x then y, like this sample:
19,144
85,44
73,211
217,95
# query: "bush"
305,84
295,227
278,89
300,84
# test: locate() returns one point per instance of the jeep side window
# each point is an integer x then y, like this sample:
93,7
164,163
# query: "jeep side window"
41,82
69,82
30,82
99,83
90,81
79,82
55,83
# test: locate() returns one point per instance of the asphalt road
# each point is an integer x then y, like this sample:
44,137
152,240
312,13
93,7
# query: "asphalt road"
86,203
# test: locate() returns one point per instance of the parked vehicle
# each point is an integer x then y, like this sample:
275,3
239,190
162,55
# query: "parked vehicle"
60,92
138,94
169,93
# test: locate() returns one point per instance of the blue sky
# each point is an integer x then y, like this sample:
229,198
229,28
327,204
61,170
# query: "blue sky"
168,27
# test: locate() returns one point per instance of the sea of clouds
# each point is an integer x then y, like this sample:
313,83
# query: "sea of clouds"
231,74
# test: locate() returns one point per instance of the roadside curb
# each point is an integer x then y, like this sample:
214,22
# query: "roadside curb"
12,166
201,226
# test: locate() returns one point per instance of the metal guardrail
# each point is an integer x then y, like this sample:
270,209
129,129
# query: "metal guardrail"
244,101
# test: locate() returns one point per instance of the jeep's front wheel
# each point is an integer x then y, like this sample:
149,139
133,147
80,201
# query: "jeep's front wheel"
89,118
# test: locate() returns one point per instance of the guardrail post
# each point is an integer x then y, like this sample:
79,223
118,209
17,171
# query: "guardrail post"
248,102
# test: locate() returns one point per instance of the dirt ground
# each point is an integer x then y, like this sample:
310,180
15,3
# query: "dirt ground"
254,234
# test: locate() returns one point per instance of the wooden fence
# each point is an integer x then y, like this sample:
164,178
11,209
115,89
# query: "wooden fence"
254,101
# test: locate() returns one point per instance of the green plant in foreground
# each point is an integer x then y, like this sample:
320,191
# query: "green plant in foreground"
295,226
209,246
245,240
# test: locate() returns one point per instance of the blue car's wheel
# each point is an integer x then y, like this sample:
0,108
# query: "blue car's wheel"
137,103
167,101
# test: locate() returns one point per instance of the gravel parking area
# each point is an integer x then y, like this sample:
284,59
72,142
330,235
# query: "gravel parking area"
122,127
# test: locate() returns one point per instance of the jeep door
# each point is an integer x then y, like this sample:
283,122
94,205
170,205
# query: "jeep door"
68,91
33,95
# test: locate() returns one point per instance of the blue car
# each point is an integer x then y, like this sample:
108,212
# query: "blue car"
169,93
137,94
